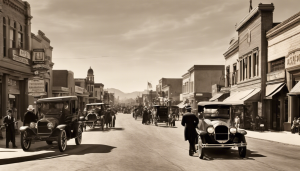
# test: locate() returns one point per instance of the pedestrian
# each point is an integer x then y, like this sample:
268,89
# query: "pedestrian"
145,116
113,118
190,122
150,116
9,122
237,122
29,116
108,118
295,125
172,117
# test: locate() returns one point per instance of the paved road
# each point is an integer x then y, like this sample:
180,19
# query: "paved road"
133,146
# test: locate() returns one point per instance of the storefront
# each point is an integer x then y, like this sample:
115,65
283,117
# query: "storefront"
82,97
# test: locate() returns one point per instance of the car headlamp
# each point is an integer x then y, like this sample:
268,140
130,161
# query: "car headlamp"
232,130
50,125
32,125
210,129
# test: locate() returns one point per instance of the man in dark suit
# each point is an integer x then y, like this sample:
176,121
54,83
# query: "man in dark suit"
9,122
145,116
190,121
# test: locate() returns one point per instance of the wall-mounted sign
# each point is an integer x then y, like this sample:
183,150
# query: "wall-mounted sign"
38,56
293,59
276,75
78,90
24,53
15,55
35,86
37,94
11,82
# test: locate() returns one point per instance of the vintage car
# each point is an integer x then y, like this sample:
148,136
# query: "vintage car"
59,121
162,113
215,129
95,115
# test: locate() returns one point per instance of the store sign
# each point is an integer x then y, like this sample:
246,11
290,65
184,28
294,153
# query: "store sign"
20,55
37,94
35,86
78,90
64,88
276,75
11,82
24,54
38,56
293,59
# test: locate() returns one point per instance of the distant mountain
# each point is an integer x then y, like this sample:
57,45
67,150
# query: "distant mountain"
123,96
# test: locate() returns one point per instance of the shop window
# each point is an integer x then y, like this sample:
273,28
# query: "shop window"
245,68
241,70
227,76
249,61
12,38
234,75
20,40
4,36
278,64
255,64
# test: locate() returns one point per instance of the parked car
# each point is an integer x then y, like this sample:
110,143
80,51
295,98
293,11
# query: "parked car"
215,129
59,122
161,114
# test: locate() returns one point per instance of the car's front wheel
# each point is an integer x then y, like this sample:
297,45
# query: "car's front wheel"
25,144
242,150
78,139
199,149
62,141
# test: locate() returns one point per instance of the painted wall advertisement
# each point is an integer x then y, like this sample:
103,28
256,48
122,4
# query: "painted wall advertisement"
36,87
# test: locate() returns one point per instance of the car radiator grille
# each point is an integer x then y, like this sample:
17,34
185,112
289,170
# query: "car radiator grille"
91,117
221,133
42,128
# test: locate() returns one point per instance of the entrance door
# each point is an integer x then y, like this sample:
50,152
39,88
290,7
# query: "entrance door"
276,115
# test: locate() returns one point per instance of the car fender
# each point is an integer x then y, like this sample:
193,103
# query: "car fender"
61,127
243,132
27,129
201,132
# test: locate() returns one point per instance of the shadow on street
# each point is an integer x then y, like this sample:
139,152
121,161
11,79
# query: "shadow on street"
228,154
105,129
55,153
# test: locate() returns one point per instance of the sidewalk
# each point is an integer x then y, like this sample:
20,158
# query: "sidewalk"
280,137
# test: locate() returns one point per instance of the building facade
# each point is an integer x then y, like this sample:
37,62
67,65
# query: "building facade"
197,83
284,73
169,90
63,83
15,57
252,65
99,92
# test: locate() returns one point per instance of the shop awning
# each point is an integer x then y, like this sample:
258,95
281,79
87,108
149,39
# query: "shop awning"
181,105
295,90
215,97
242,96
273,89
252,96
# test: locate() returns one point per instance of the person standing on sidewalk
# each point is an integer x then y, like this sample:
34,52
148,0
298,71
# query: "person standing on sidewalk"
237,122
9,122
190,122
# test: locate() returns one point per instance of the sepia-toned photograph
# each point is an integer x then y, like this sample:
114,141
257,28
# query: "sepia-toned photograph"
149,85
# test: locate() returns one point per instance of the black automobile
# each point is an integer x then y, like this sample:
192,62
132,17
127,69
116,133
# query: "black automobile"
95,115
215,129
59,121
161,114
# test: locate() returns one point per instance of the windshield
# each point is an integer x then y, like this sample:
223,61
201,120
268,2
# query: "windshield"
90,108
216,112
52,107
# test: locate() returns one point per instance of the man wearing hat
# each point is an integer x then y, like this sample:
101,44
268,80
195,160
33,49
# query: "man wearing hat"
145,116
190,121
108,117
9,122
29,116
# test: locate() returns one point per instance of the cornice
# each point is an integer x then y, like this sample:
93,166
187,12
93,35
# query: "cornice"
35,37
42,34
232,49
247,18
284,25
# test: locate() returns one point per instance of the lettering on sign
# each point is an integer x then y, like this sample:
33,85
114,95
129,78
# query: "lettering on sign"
24,54
293,59
36,86
276,75
20,59
78,90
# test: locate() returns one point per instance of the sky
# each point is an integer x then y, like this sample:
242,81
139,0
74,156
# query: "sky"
131,42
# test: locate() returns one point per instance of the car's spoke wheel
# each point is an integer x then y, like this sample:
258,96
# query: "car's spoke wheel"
25,144
78,139
49,142
62,140
242,150
199,149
